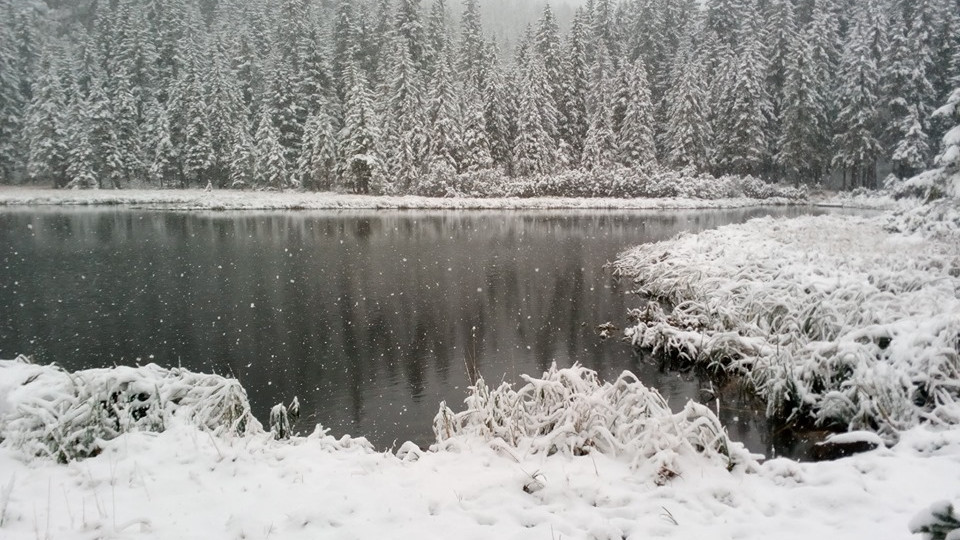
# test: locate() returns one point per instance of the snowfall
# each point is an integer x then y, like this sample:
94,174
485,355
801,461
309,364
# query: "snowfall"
163,453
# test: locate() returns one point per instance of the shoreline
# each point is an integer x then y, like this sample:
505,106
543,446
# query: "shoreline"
222,200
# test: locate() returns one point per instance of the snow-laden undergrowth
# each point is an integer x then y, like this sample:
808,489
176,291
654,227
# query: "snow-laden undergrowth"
838,318
570,411
47,411
196,199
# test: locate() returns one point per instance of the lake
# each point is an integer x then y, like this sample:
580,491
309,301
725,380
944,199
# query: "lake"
370,318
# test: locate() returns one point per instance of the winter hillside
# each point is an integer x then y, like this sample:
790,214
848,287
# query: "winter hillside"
443,97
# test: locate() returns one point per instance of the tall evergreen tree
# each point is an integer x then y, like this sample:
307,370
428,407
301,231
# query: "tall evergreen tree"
46,126
856,143
636,141
686,138
359,135
444,140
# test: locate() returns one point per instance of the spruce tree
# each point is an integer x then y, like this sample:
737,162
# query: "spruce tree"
317,166
360,134
574,120
856,143
46,126
686,136
270,165
444,139
636,140
472,61
800,154
476,145
599,148
741,134
11,107
534,150
405,138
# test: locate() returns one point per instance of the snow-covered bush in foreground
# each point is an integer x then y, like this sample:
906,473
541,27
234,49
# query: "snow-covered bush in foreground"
831,318
937,522
50,412
570,411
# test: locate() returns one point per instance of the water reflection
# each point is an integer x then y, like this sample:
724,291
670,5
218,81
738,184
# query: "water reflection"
370,318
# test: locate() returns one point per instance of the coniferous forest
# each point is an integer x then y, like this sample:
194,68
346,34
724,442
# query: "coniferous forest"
396,96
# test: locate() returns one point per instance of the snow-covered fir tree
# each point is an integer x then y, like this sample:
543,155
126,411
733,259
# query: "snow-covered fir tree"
686,136
173,92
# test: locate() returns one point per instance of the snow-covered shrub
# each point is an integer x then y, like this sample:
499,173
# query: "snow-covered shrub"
622,182
830,318
939,521
66,416
572,412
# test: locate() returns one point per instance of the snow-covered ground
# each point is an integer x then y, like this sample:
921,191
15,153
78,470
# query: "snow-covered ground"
191,199
835,317
188,483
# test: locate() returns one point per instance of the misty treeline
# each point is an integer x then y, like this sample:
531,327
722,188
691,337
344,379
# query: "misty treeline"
391,96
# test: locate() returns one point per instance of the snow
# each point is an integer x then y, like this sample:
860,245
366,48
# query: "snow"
185,482
200,199
834,318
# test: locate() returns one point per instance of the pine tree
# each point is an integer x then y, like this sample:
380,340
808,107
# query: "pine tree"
534,151
409,28
437,35
45,128
910,156
444,140
499,112
359,135
949,156
270,165
405,139
599,148
823,35
11,107
101,125
574,120
476,144
856,143
471,61
687,133
803,118
127,131
547,47
910,95
81,167
780,33
741,134
317,166
635,141
164,158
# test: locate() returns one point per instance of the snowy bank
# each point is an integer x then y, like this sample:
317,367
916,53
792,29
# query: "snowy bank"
195,199
852,322
187,482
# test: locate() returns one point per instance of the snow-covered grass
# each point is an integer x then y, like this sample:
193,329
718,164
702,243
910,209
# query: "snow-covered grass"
196,199
570,411
845,320
46,411
188,482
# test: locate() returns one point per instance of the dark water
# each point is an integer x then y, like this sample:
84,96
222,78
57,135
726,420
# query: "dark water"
370,318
